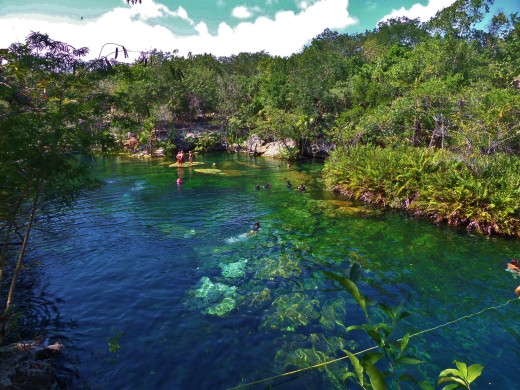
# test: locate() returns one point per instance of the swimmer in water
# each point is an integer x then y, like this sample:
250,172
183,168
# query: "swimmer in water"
255,228
513,266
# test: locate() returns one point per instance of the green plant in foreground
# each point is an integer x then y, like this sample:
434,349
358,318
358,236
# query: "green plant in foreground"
392,350
463,376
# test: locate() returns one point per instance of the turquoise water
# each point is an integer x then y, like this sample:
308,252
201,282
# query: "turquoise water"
166,276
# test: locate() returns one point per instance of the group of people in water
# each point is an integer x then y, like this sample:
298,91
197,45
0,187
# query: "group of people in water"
514,267
288,184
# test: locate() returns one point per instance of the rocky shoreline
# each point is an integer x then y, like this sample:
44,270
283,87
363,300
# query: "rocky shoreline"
29,365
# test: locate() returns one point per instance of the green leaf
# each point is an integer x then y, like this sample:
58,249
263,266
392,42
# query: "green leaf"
351,288
358,368
348,375
452,379
474,371
462,368
354,327
403,315
408,360
372,357
385,328
404,341
375,336
376,377
450,371
426,385
387,310
451,387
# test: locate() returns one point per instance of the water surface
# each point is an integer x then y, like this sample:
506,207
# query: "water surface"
167,276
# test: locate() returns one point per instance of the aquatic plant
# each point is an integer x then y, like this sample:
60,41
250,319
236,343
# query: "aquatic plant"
290,312
333,314
298,217
260,298
307,357
283,266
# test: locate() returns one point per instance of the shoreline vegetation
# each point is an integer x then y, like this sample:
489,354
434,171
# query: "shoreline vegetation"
480,193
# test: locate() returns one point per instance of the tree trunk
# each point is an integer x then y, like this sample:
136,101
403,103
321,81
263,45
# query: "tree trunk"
21,254
6,240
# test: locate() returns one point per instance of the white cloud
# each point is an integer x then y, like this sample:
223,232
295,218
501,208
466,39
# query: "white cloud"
241,12
423,12
132,27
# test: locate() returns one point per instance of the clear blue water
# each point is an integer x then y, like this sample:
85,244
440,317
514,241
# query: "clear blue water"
167,274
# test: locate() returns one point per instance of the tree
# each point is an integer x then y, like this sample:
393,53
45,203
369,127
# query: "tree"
43,106
459,19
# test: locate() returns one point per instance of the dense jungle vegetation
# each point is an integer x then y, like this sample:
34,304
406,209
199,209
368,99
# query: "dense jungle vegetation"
411,115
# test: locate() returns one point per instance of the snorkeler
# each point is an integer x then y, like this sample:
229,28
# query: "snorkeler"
267,185
301,187
288,184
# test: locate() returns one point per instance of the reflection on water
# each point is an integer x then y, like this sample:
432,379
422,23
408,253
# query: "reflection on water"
194,302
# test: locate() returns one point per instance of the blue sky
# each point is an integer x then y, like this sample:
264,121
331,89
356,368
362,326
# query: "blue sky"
219,27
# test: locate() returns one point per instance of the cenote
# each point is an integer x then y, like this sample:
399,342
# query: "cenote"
156,285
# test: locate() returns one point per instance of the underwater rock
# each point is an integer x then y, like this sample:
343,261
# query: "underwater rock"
210,171
213,298
221,308
234,270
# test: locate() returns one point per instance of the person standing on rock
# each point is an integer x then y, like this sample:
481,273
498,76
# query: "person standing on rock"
180,157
